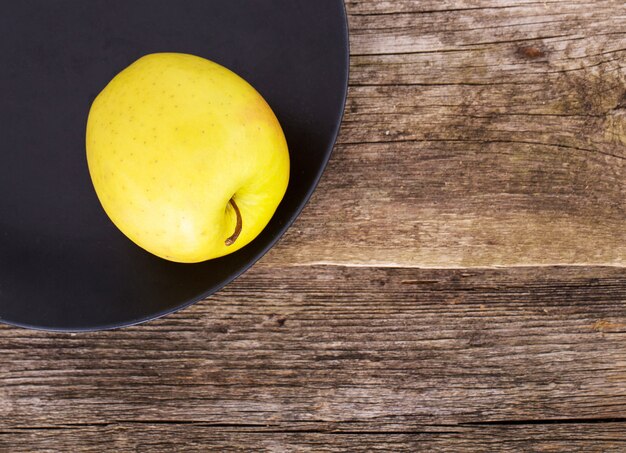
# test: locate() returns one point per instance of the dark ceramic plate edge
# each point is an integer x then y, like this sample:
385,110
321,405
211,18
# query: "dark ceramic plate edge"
256,258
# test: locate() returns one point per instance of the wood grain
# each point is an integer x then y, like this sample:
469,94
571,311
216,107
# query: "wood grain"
415,305
337,344
197,437
476,134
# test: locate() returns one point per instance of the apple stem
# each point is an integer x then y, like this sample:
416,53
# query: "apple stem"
231,240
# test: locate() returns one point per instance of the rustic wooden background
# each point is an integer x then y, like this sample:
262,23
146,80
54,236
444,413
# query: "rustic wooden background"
457,282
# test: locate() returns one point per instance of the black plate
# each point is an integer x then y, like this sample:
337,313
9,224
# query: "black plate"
63,264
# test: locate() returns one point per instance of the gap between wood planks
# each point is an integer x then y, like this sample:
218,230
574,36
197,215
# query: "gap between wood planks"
331,427
392,265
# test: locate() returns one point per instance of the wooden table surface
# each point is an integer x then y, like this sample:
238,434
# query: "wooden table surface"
457,282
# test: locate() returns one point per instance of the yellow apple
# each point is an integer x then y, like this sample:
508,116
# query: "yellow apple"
186,157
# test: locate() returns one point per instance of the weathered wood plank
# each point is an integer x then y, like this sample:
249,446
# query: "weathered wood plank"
579,437
471,7
484,134
290,344
419,28
462,204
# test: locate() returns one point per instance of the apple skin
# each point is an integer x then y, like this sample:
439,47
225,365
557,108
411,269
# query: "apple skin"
170,141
